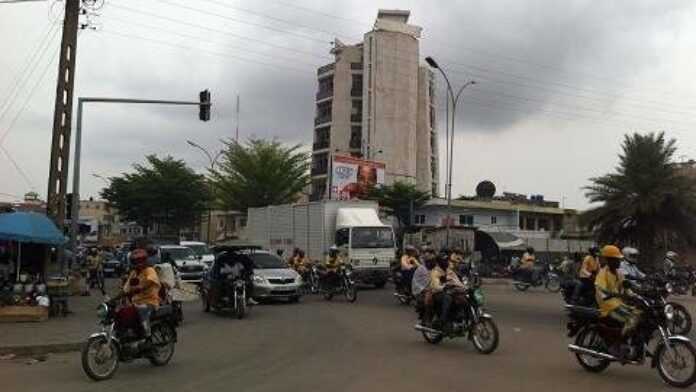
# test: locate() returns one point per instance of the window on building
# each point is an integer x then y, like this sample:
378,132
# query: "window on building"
355,137
419,219
326,84
543,224
494,220
466,220
357,86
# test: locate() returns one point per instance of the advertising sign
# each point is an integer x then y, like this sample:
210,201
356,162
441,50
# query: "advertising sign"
352,177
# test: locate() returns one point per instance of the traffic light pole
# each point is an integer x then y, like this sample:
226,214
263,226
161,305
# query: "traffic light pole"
78,149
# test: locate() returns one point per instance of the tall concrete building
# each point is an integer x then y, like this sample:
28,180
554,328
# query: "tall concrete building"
376,101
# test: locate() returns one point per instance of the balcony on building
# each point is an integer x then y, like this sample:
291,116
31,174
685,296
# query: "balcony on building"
319,170
355,143
356,117
356,66
322,119
324,94
326,68
321,145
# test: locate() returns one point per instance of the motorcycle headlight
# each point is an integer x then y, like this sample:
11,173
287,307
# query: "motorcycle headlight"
478,297
259,279
102,311
669,312
669,288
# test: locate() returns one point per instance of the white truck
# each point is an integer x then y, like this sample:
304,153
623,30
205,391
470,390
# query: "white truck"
353,226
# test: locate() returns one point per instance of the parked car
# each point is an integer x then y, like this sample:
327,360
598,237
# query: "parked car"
189,267
272,278
201,250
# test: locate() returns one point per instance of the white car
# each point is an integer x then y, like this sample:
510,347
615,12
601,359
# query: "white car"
188,266
201,250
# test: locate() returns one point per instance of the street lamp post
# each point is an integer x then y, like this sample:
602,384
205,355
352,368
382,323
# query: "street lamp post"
213,161
449,132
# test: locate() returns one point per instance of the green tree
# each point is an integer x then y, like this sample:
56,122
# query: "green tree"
646,199
165,192
260,173
399,200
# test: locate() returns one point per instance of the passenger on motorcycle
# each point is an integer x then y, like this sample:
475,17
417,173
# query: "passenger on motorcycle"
456,259
421,285
671,259
587,274
629,268
409,263
329,274
234,267
526,268
142,287
438,280
609,289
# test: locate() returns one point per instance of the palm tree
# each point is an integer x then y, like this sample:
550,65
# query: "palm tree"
260,173
646,199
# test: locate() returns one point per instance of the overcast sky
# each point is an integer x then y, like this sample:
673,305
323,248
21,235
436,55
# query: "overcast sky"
559,82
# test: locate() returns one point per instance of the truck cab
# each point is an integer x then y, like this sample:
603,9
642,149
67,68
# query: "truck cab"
366,243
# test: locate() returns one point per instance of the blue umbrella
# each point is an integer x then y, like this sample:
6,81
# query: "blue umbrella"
29,227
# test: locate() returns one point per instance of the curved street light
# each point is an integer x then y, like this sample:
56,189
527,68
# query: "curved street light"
212,160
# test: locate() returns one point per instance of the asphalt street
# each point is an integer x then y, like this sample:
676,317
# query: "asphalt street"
337,346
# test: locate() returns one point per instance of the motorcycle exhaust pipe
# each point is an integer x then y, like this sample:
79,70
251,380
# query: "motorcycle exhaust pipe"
582,350
423,328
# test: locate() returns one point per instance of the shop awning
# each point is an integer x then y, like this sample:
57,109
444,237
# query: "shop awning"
504,240
30,227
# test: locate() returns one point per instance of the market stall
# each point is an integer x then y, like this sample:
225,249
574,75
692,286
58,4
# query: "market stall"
28,240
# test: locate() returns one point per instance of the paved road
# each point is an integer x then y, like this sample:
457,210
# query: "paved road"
337,346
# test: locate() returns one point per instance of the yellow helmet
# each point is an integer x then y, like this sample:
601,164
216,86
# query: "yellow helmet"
611,252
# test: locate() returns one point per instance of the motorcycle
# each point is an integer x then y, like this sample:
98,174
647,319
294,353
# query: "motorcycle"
546,276
402,292
658,290
683,280
229,293
594,336
467,319
120,339
310,277
345,285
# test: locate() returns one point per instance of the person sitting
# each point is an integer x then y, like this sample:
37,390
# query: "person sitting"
526,267
609,289
421,287
142,287
409,264
629,268
456,259
330,271
587,273
441,299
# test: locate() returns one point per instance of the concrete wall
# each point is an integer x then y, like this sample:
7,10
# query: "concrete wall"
342,100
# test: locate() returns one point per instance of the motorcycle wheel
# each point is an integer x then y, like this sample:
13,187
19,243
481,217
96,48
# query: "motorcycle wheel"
589,338
350,292
485,336
100,368
521,286
681,323
163,341
553,284
679,359
204,301
241,309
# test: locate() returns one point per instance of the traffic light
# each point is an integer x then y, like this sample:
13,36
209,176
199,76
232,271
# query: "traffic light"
68,205
204,113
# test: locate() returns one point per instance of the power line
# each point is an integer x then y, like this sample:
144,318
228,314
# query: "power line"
18,168
183,22
28,72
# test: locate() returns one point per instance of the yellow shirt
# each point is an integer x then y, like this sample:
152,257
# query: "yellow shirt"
590,265
151,295
608,282
299,263
333,262
408,262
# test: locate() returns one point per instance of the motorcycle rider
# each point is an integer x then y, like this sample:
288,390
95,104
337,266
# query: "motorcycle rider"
609,288
438,280
588,272
409,263
628,267
142,287
234,267
527,264
671,259
333,262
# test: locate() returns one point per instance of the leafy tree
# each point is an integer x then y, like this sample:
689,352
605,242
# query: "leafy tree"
260,173
399,200
647,198
164,191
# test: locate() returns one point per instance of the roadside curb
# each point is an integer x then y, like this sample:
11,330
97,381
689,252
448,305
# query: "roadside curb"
40,349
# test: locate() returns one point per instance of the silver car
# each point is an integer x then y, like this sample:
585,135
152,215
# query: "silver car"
273,278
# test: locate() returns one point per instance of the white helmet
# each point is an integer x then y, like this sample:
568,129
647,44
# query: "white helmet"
671,255
630,254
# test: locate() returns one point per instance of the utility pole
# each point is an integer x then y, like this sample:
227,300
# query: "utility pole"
62,115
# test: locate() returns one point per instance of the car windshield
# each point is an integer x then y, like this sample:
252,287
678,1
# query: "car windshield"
179,253
267,261
372,237
200,250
